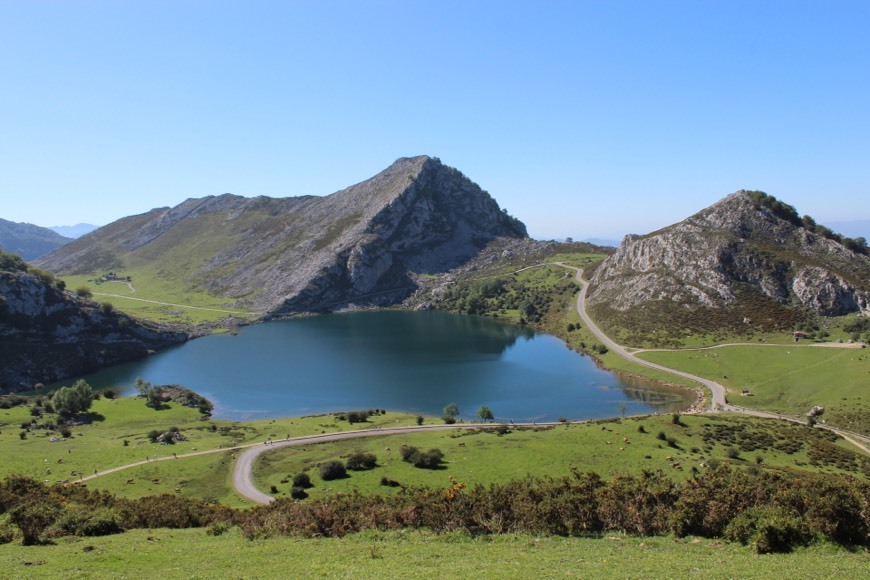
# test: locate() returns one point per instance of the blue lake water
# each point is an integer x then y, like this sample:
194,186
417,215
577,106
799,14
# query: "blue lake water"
408,361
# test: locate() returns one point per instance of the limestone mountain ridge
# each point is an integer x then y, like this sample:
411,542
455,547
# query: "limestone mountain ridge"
366,244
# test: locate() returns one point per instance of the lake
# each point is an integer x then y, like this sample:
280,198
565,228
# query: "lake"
403,361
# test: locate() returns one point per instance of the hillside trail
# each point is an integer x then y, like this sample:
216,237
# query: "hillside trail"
171,304
717,391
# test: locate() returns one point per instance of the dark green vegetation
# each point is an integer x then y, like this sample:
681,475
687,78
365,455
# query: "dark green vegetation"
27,240
789,213
721,503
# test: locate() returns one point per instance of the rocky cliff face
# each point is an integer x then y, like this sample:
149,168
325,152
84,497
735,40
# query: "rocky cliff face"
47,334
366,244
748,244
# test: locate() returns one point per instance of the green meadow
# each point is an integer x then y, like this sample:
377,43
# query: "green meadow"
192,553
117,434
156,297
786,379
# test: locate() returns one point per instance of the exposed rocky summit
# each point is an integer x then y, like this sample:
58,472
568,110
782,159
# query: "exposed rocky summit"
749,254
367,244
48,333
29,241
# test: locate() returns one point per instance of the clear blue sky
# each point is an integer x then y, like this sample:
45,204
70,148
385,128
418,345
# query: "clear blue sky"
583,118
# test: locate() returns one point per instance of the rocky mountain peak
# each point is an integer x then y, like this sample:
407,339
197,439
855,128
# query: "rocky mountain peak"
365,244
748,247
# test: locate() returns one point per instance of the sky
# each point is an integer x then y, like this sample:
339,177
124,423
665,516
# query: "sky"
582,118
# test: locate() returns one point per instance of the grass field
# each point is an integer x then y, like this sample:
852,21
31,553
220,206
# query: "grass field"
788,380
194,554
99,445
189,305
471,456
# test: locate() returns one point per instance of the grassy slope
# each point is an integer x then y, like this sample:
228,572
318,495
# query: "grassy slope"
788,380
151,286
100,445
483,458
194,554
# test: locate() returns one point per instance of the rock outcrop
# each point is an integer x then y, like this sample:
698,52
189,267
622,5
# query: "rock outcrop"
364,245
48,334
746,245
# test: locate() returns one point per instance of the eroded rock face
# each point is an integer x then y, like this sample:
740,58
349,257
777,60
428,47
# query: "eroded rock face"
364,245
703,259
47,334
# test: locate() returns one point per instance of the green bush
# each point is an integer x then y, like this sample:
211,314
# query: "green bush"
302,480
332,470
768,530
360,461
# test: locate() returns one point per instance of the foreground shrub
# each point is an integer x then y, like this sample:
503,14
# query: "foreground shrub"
768,530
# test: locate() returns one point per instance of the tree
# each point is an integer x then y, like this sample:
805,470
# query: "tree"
73,400
621,408
485,413
451,410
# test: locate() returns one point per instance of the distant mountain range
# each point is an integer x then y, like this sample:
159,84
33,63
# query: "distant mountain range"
366,245
27,240
75,231
747,262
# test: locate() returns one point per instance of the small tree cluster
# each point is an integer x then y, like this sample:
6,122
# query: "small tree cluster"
361,461
423,459
74,400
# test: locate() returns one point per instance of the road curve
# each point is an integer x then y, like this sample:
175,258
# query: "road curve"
243,474
717,391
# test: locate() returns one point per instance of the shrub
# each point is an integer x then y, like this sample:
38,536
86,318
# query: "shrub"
386,481
423,459
332,470
302,480
109,394
360,461
65,432
217,528
84,292
419,419
768,530
273,489
448,420
298,493
732,453
641,429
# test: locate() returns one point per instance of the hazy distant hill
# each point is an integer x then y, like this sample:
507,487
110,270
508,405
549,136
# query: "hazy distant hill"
748,261
48,333
27,240
366,244
75,231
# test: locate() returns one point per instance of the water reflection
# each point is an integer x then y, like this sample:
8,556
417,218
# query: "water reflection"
412,361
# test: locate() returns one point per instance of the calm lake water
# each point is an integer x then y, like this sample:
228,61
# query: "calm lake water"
408,361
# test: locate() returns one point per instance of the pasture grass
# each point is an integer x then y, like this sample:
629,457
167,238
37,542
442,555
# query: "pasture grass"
610,447
150,285
787,380
192,553
98,445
